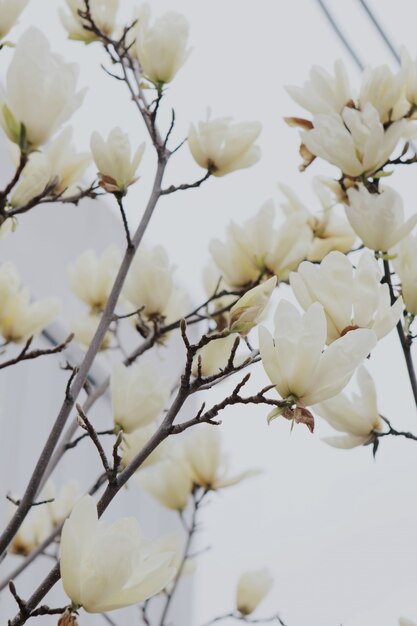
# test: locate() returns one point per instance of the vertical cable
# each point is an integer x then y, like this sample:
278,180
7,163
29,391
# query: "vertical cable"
380,30
341,36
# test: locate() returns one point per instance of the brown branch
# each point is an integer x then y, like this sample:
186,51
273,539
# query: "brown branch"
184,187
25,355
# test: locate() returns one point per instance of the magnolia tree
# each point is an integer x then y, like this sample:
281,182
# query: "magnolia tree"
352,269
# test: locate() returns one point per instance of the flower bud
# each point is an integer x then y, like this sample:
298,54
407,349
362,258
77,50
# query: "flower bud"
252,588
222,147
117,168
248,310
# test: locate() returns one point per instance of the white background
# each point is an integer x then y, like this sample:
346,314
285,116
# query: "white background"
336,528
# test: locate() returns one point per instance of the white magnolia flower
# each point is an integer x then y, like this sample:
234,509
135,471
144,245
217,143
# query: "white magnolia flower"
20,318
208,463
67,165
409,71
92,277
214,356
103,13
9,13
169,482
116,166
323,93
35,528
35,180
139,394
9,282
330,232
252,587
161,49
109,566
221,147
149,283
40,91
292,242
241,259
378,218
405,265
384,90
354,141
134,442
62,502
250,308
85,328
350,299
296,362
357,417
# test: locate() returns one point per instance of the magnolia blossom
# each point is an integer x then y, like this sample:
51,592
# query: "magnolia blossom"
222,147
139,394
214,284
34,182
355,141
20,318
208,464
252,587
330,232
292,242
350,300
378,218
294,360
67,165
405,265
214,356
357,417
249,309
133,443
323,93
103,13
61,503
109,566
92,277
40,91
9,13
170,482
241,259
34,529
409,72
161,49
116,166
84,330
384,90
149,284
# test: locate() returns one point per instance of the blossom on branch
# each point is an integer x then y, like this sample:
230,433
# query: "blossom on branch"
355,141
378,218
323,93
116,166
297,364
252,587
109,566
20,318
92,277
103,14
139,394
9,13
405,264
248,311
40,90
161,49
221,147
35,180
357,417
351,300
214,356
169,482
